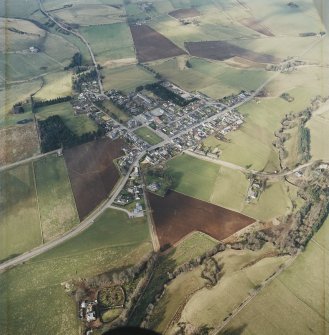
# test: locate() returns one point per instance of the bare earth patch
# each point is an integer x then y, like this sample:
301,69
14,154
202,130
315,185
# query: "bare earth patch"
177,215
151,45
222,50
18,143
255,25
92,172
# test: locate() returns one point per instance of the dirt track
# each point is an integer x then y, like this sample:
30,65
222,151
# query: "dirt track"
92,172
176,215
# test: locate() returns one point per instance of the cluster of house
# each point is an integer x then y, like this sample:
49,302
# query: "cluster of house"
88,311
84,102
132,192
235,99
254,191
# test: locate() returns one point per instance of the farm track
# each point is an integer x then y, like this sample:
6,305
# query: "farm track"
89,220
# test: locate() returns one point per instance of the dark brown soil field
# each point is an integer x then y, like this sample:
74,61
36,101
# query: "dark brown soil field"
92,172
151,45
256,26
177,215
221,50
184,13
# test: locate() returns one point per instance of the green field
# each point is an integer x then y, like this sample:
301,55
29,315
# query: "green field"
55,53
88,13
215,79
126,78
319,127
211,182
110,41
115,111
79,124
11,94
148,135
300,294
58,84
58,213
114,241
19,215
37,205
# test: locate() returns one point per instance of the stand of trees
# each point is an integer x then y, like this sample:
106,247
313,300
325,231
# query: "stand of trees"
79,79
55,134
42,103
76,61
166,94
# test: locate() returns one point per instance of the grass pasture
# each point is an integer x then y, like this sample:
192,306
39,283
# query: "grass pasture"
240,276
109,41
212,78
18,143
11,94
212,183
86,14
58,213
55,53
113,242
148,135
19,219
79,124
58,84
126,78
300,294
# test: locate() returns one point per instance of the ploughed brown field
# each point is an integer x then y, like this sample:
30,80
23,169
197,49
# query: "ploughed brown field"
256,26
151,45
92,172
221,50
184,13
177,215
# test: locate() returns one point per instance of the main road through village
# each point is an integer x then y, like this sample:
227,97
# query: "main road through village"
87,222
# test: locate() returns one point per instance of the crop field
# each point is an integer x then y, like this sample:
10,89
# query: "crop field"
148,135
300,293
212,78
79,124
110,41
18,143
19,216
58,84
222,50
151,45
253,24
92,172
90,14
212,183
112,242
58,213
177,215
